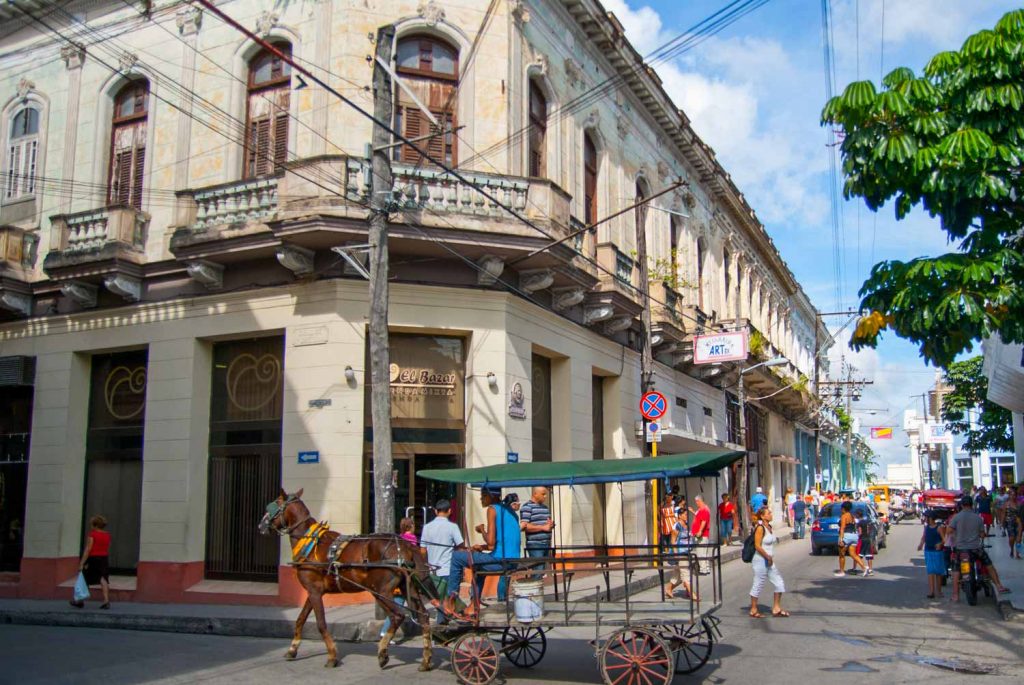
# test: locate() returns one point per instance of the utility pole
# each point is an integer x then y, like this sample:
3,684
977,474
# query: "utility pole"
646,355
381,188
817,393
849,430
744,504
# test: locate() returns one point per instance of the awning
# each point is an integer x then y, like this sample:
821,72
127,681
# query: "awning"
692,464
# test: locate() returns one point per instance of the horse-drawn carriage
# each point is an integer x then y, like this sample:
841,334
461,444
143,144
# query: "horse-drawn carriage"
641,636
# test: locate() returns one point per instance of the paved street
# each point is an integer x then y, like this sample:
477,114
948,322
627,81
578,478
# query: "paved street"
853,629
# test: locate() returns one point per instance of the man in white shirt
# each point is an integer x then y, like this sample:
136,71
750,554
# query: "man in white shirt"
440,538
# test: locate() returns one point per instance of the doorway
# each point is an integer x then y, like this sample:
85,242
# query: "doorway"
414,496
15,431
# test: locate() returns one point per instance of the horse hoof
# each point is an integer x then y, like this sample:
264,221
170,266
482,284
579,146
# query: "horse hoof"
290,654
331,663
383,659
426,667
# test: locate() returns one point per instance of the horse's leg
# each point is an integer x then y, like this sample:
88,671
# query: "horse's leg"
424,620
317,600
395,613
293,650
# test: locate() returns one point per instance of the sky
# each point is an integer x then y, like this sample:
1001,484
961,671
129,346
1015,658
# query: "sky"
755,92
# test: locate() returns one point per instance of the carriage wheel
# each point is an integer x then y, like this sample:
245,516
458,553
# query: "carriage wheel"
474,659
636,656
524,647
691,644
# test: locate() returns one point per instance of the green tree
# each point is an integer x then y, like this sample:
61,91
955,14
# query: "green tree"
952,142
992,425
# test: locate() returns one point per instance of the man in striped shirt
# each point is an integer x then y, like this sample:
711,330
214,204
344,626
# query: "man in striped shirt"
535,520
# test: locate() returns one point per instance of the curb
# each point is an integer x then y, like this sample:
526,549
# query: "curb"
345,631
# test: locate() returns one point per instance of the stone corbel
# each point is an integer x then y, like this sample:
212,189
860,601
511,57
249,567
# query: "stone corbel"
519,12
597,314
573,72
431,12
490,268
208,274
538,63
127,287
563,298
618,324
593,119
539,279
82,294
680,358
189,19
265,22
667,348
19,303
73,56
127,61
296,259
24,88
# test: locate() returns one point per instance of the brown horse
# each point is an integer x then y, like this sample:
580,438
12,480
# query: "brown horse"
379,564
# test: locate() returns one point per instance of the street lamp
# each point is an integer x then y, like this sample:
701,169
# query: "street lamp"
741,401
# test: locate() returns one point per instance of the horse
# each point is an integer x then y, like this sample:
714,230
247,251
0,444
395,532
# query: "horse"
379,564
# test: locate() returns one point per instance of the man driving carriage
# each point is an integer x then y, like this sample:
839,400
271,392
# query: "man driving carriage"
501,538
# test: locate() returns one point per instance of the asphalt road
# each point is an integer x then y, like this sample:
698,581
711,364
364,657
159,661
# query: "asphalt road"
879,629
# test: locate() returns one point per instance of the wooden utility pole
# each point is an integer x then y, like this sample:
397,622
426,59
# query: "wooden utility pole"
646,354
381,185
849,430
817,394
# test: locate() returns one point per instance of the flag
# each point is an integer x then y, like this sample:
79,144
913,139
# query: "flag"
881,433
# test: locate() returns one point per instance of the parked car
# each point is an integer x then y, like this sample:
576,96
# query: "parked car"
825,529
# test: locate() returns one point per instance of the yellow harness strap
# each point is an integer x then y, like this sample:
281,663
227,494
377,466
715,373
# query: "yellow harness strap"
308,542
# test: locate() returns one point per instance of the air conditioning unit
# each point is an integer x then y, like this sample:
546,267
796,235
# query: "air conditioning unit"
18,370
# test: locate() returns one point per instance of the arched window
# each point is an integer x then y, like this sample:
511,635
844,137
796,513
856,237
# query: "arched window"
701,250
430,69
266,112
589,180
128,145
538,131
22,152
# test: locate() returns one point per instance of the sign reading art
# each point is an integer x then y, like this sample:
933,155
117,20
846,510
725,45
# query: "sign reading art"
720,347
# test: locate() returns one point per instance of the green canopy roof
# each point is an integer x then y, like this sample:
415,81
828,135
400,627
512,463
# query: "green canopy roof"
591,471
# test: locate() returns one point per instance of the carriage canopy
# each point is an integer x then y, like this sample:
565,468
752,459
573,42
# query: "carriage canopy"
688,465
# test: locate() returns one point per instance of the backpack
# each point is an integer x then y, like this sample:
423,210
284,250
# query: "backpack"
747,555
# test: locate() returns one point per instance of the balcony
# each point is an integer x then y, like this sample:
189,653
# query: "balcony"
99,235
215,217
17,254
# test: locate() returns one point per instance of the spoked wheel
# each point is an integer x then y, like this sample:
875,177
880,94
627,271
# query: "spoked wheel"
524,647
474,659
636,656
691,644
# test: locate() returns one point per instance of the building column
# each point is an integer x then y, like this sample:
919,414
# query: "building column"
172,529
188,20
56,476
73,58
323,11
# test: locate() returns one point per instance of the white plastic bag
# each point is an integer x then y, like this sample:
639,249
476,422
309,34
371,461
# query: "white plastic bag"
81,588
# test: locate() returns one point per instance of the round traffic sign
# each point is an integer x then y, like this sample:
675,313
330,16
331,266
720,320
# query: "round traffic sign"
653,405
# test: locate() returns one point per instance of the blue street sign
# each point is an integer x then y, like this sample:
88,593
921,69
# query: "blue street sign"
311,457
512,457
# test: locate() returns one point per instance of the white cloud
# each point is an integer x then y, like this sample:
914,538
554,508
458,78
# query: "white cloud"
643,26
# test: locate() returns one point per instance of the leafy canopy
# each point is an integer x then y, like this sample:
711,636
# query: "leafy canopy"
952,142
991,427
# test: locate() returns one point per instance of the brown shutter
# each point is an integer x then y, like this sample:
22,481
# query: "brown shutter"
259,147
137,178
413,129
280,140
121,194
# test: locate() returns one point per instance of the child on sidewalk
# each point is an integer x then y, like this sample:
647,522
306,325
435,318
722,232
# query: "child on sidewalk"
934,560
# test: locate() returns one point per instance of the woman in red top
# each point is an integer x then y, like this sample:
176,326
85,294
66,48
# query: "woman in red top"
725,520
95,560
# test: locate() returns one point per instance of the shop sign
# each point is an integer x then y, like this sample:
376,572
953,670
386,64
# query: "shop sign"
517,402
721,347
937,434
405,381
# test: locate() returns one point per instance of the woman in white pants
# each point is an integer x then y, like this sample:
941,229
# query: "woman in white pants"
764,564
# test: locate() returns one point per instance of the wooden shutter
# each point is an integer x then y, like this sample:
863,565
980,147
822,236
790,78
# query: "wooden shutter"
280,139
138,175
21,168
13,169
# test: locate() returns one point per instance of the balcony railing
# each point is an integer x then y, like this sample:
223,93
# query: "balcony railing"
86,232
238,202
433,190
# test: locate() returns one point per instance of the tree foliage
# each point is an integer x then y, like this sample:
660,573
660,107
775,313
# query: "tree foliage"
992,425
952,142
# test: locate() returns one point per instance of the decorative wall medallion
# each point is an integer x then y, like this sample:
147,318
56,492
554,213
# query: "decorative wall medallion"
518,10
124,392
25,87
431,12
517,402
266,22
253,383
127,61
72,55
573,72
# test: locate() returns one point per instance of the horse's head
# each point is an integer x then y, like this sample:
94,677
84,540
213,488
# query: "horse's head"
276,516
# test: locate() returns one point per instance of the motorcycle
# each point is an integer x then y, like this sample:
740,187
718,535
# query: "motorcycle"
897,516
974,576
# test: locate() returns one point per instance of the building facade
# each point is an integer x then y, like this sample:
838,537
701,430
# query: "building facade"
178,340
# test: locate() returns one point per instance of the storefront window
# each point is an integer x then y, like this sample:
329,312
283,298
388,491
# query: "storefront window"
541,405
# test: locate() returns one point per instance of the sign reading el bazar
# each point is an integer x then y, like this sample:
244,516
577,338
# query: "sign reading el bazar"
405,382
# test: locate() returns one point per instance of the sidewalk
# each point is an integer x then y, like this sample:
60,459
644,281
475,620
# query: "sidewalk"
1011,572
354,623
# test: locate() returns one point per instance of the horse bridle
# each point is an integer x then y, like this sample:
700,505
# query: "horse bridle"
274,510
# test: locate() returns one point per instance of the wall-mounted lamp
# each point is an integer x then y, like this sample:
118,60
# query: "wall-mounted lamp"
492,380
350,374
